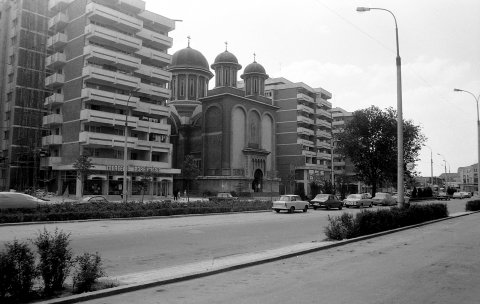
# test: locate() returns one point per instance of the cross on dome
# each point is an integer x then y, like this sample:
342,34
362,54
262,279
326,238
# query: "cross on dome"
226,46
254,57
188,37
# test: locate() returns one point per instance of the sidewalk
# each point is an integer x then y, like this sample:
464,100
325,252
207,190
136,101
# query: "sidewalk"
145,279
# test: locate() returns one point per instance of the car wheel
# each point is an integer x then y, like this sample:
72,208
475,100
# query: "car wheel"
327,207
348,207
291,210
371,205
315,207
277,210
305,209
340,207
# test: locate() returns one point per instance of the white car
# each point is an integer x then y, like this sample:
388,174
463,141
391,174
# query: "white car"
19,200
358,200
385,199
290,203
461,194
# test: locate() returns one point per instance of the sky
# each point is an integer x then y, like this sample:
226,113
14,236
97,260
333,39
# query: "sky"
328,44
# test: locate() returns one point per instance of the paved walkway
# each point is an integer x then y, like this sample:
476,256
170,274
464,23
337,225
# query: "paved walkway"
145,279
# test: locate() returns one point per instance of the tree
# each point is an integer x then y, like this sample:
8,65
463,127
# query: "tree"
190,172
146,179
370,141
83,165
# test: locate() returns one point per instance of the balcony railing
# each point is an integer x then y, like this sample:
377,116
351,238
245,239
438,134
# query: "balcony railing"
54,80
52,140
111,119
155,40
133,5
153,109
154,74
305,97
305,108
154,57
305,119
57,41
111,78
52,119
58,22
102,56
106,140
102,35
106,15
109,97
58,4
54,99
55,61
324,134
302,130
153,127
154,146
322,112
50,161
156,92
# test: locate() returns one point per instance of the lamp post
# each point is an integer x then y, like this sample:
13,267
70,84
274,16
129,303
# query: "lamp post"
445,166
431,165
400,160
125,149
478,138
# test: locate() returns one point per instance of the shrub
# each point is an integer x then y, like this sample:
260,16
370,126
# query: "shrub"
55,258
17,271
88,269
341,227
472,205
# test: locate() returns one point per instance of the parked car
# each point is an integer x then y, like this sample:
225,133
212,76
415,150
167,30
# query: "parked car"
461,194
406,198
442,196
224,196
358,200
19,200
290,203
384,199
326,200
93,199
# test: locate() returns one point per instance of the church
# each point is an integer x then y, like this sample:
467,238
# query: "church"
229,131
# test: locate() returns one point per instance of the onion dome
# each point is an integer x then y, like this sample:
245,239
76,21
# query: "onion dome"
225,58
189,58
226,67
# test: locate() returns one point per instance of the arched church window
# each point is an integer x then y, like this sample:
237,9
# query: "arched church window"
182,87
255,85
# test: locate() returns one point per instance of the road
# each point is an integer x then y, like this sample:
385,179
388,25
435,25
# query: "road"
436,263
128,246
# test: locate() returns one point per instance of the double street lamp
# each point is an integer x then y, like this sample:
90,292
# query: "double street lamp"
478,136
400,161
125,149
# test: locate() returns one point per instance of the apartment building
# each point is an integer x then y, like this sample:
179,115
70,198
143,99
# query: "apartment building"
108,88
23,34
468,178
303,131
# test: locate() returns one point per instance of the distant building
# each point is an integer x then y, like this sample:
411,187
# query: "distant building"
105,70
303,131
23,36
468,178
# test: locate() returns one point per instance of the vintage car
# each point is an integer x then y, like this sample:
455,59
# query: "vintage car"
290,203
327,201
384,199
358,200
19,200
223,196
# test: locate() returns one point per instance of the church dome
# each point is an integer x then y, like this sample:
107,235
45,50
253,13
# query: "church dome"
254,68
226,57
189,58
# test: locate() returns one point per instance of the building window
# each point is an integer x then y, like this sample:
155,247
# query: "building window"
10,78
5,135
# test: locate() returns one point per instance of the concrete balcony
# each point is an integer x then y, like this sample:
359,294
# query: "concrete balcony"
156,21
105,15
55,99
153,127
153,109
54,80
105,36
339,163
153,74
58,22
153,57
301,130
110,78
101,56
323,155
324,113
109,97
155,40
52,140
112,119
323,123
55,61
305,142
154,146
338,123
57,41
106,140
304,119
52,119
305,97
324,134
57,5
309,153
324,144
156,91
306,109
132,5
50,161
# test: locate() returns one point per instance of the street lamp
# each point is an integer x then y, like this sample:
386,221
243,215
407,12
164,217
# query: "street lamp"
445,166
478,138
400,160
125,149
431,165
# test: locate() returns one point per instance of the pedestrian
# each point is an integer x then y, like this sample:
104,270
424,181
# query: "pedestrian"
175,194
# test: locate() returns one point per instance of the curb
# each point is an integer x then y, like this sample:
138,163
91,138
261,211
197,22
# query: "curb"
134,287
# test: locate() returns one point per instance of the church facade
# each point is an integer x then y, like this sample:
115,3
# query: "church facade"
229,131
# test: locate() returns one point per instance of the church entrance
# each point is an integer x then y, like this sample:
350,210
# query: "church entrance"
257,183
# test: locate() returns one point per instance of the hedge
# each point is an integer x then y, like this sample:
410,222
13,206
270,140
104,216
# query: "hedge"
73,211
368,222
472,205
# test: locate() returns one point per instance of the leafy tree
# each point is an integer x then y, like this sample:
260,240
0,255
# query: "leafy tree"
370,141
83,165
146,177
190,172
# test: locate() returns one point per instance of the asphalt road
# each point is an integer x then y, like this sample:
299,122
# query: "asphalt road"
437,263
128,246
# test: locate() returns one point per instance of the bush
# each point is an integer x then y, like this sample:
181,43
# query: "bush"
472,205
55,259
368,222
17,271
88,269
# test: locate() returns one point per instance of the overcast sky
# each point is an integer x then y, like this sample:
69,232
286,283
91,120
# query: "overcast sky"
326,43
